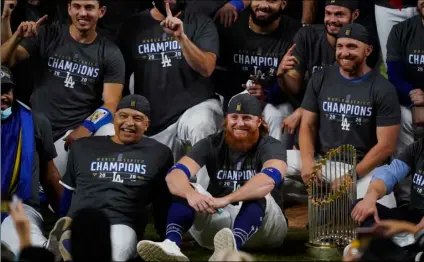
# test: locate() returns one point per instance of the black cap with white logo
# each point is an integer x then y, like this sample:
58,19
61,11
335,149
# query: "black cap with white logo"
355,31
7,82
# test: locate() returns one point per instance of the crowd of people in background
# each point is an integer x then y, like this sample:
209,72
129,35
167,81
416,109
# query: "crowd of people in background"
211,116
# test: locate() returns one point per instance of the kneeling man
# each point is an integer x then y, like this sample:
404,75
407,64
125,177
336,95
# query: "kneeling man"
242,206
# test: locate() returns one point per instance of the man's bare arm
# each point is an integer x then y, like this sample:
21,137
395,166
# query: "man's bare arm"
12,52
177,180
385,147
259,185
200,61
307,136
309,11
290,82
112,95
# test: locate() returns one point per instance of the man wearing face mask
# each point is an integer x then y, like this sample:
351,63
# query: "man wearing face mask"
119,175
27,153
171,53
251,50
349,104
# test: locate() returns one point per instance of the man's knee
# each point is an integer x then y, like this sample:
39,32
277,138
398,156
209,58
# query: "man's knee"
274,115
124,241
257,202
200,121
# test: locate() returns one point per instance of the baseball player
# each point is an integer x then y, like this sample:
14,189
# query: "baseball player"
171,53
315,47
83,73
251,50
348,104
27,153
119,175
246,167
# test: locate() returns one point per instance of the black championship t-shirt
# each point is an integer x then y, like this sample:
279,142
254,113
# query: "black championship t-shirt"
351,110
71,87
245,53
413,156
229,170
161,73
406,44
118,179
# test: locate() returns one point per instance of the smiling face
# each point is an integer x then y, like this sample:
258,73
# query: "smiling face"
242,131
351,54
6,99
265,12
130,125
84,14
337,16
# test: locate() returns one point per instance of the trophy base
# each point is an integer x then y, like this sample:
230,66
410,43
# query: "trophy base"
325,252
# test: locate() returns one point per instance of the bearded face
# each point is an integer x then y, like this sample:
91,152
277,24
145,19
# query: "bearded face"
351,54
264,13
241,131
335,17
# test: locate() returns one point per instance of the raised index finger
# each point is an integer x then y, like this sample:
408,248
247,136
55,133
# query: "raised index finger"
41,20
291,50
168,9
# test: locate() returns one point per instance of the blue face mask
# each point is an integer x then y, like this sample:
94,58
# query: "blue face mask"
6,113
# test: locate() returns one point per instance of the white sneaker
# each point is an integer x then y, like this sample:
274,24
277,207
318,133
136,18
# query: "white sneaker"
223,241
160,251
346,250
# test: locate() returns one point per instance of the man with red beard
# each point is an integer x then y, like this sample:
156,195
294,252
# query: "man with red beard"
246,167
350,104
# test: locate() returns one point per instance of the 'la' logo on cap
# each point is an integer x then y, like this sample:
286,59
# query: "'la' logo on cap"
132,103
348,31
238,108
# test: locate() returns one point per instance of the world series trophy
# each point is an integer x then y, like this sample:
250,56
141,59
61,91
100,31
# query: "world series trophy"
331,195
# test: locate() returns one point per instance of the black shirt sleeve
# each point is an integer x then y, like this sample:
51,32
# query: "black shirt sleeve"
394,42
200,152
114,66
206,36
387,104
69,179
300,50
410,154
310,100
273,150
123,40
44,135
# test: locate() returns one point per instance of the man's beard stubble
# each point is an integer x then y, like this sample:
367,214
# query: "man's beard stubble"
244,144
266,22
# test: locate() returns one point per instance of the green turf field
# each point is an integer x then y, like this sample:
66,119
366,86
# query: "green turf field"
293,249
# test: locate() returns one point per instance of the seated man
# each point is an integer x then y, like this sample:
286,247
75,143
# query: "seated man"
250,52
120,175
245,167
348,104
27,153
409,161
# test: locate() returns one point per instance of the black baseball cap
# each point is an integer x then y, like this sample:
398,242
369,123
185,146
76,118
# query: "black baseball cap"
136,102
355,31
7,81
351,4
245,104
